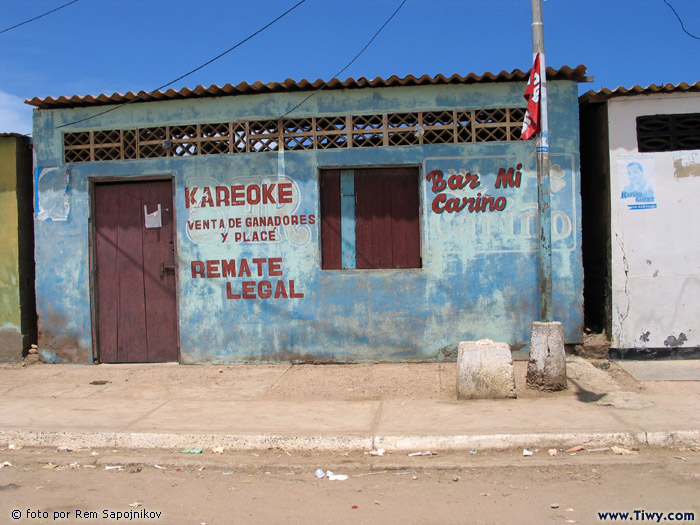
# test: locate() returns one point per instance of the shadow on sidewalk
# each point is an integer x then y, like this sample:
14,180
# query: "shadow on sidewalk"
586,396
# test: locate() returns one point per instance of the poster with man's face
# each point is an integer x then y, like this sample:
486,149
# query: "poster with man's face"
637,181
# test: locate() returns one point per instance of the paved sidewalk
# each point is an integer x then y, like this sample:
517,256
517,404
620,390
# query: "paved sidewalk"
408,407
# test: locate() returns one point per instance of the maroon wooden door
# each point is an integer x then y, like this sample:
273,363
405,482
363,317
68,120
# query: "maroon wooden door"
136,313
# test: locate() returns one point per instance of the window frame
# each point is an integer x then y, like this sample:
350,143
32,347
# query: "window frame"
672,129
413,258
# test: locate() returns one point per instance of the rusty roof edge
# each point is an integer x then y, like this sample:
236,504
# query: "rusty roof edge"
602,95
289,85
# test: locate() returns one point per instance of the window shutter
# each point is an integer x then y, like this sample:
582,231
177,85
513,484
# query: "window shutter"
330,220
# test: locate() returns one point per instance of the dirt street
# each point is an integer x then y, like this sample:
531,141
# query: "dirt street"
92,486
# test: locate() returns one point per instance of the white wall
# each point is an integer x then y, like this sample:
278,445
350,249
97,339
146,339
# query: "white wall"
655,251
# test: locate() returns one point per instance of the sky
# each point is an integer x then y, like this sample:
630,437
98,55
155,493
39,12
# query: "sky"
107,46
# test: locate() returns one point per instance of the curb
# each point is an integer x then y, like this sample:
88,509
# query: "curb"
333,443
508,441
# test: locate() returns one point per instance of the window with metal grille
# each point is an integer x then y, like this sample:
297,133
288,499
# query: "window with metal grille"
668,132
370,218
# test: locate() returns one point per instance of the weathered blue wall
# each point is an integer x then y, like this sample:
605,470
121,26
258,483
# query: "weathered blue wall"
480,270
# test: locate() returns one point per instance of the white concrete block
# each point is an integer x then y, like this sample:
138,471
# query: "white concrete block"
485,370
546,368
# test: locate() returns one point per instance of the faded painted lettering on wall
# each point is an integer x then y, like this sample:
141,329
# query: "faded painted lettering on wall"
251,209
491,203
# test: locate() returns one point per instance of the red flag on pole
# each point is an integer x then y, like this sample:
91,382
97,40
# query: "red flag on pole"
532,122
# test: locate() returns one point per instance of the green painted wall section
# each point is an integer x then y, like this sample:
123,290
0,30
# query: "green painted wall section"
11,341
9,254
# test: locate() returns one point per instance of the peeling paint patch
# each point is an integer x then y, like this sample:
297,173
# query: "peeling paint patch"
59,344
674,342
287,356
645,337
48,356
448,353
58,349
686,165
52,197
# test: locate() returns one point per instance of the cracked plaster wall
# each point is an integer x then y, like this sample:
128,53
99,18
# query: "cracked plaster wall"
655,251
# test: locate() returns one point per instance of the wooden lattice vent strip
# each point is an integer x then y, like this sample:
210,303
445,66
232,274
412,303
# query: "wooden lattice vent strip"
331,132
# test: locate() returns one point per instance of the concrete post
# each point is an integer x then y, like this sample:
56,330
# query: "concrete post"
544,211
485,370
546,369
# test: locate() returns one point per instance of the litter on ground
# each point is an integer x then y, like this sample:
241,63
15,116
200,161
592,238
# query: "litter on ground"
624,451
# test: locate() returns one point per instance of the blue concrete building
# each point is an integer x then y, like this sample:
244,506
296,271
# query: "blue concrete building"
369,221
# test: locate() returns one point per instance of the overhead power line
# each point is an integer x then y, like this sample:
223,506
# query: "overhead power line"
351,61
233,47
37,17
681,21
217,57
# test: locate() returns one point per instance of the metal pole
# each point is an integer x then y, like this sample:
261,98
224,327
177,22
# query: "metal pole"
543,185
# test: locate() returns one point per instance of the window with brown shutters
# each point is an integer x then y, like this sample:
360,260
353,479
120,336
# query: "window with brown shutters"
370,218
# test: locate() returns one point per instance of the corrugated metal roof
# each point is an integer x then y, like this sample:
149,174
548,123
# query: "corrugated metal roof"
15,135
565,73
653,89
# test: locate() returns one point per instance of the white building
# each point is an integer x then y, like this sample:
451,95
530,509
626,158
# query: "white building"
640,155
